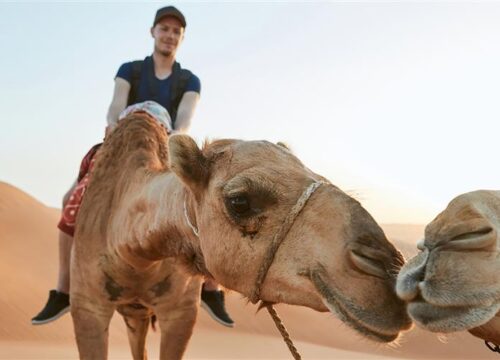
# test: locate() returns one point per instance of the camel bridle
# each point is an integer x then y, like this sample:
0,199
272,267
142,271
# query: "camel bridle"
272,249
279,237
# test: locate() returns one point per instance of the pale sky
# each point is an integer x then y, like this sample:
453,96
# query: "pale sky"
398,103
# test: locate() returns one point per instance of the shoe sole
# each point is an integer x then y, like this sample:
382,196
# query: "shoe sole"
215,317
53,318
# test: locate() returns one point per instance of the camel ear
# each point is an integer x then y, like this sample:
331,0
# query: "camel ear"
188,162
282,144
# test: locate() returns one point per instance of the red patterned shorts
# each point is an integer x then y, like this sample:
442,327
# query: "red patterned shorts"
70,210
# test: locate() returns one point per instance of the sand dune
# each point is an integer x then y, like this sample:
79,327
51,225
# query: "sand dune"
28,268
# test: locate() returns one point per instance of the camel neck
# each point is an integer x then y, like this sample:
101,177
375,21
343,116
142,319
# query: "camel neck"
156,226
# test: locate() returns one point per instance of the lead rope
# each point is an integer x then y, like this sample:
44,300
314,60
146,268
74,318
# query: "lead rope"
282,329
261,276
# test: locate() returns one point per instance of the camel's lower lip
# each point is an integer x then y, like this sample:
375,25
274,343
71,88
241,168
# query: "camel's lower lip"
345,316
336,307
450,318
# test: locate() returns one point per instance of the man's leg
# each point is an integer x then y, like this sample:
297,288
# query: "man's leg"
212,300
58,302
65,245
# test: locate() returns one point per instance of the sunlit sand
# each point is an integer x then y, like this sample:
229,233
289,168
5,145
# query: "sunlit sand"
28,269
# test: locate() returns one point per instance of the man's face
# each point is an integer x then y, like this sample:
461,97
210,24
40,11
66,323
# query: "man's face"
168,34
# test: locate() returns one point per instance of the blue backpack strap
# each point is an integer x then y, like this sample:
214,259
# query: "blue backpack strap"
180,79
135,81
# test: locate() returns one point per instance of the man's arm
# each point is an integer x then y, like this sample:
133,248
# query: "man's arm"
119,102
185,111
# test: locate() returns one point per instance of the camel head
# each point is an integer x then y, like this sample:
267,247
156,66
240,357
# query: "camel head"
453,284
333,258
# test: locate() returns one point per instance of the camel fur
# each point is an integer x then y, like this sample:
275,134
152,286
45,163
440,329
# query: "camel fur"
135,252
453,284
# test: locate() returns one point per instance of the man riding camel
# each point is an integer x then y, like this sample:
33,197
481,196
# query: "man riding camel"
158,79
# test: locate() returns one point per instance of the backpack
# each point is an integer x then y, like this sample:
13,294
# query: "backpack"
180,79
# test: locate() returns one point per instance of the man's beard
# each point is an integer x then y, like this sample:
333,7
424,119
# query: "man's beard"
166,53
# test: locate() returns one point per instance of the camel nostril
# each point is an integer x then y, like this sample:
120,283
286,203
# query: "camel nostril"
367,265
474,240
476,233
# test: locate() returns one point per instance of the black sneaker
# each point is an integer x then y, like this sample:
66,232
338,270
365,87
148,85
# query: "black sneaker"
57,306
213,303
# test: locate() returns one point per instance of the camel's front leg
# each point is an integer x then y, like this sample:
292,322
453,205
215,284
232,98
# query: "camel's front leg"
137,318
91,322
137,329
176,327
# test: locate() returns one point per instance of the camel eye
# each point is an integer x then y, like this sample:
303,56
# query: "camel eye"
239,205
247,200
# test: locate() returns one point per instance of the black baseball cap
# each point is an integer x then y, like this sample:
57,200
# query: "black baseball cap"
169,11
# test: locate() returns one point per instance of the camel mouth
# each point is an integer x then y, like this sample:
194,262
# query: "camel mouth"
332,300
450,318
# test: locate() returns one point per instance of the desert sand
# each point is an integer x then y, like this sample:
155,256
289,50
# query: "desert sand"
28,269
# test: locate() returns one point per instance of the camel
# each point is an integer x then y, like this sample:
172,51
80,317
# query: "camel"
453,284
160,214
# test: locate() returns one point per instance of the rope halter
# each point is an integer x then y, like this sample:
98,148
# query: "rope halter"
193,228
273,247
279,237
